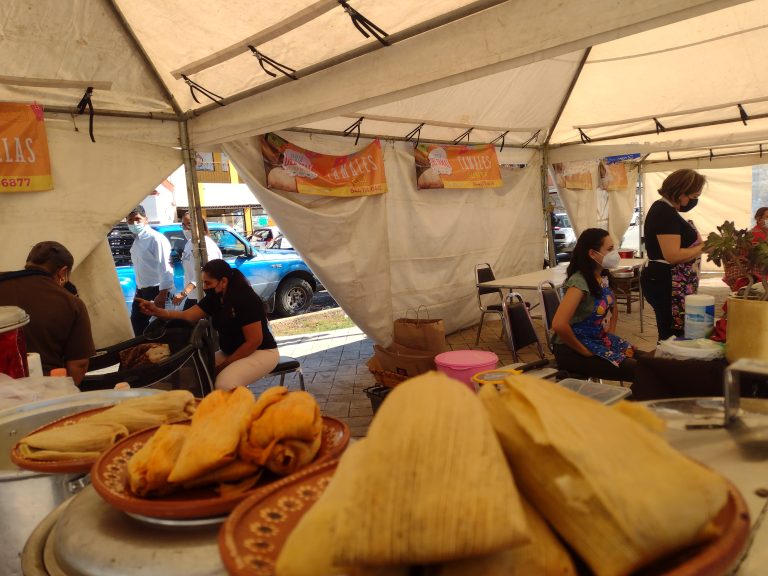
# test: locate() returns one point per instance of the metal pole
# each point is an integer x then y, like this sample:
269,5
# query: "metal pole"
640,202
545,207
195,211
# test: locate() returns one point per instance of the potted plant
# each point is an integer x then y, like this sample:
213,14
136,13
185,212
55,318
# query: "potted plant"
747,326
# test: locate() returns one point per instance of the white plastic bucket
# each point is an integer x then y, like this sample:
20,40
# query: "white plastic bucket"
699,315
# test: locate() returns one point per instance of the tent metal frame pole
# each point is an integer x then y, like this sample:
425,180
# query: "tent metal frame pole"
395,138
72,110
199,251
641,205
545,208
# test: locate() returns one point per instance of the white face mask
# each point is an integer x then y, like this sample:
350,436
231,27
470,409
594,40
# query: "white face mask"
187,234
611,260
136,228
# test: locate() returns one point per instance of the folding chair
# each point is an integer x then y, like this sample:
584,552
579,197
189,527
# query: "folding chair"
519,325
549,296
484,273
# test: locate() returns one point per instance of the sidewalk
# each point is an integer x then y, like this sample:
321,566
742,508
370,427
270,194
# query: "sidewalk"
335,372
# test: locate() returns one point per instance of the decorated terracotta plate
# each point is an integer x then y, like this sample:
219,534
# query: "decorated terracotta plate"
74,466
252,537
110,479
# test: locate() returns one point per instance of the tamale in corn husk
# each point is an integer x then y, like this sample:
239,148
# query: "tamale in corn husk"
148,411
232,472
80,440
284,431
149,468
214,434
641,415
432,483
617,493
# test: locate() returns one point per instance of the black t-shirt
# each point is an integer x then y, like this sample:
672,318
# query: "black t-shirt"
664,219
242,307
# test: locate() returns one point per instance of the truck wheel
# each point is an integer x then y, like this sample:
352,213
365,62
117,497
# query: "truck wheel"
294,296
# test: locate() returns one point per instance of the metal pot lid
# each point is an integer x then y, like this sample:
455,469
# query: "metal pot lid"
18,421
12,317
93,538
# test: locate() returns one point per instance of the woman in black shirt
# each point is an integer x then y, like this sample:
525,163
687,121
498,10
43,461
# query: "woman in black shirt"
673,245
248,349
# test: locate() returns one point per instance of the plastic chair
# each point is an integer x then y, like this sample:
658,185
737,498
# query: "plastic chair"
549,297
519,325
484,273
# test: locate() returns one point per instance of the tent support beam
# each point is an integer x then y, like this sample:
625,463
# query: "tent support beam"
394,138
666,130
163,116
199,251
568,93
140,48
546,210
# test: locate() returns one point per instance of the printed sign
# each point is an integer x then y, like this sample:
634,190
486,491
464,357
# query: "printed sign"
25,165
293,169
470,166
621,158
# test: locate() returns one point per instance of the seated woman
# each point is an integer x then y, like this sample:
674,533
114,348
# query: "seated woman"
583,342
248,350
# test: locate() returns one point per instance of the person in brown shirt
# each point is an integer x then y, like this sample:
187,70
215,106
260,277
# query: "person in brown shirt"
59,328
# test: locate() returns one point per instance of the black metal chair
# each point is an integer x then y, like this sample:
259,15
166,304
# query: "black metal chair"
549,296
519,325
484,273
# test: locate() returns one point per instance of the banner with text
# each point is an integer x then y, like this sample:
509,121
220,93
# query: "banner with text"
24,162
470,166
293,169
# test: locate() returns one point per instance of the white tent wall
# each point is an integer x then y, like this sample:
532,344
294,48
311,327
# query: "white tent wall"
95,185
727,196
382,255
621,206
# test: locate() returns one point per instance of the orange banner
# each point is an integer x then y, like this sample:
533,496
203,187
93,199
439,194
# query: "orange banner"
440,166
293,169
25,165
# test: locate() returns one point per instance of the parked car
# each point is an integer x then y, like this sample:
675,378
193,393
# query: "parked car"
280,243
631,239
564,236
279,277
262,237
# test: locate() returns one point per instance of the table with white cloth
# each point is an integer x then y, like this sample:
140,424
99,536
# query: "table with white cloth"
556,275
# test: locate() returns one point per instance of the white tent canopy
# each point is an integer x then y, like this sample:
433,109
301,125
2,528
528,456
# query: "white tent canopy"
680,80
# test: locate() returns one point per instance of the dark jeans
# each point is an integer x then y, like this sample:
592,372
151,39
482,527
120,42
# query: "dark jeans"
568,359
139,320
656,280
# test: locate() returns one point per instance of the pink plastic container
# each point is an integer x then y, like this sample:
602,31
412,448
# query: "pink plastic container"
463,364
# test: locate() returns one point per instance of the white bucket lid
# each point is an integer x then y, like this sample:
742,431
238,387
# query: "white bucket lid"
12,317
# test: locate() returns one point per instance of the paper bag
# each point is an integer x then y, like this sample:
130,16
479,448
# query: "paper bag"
404,361
421,333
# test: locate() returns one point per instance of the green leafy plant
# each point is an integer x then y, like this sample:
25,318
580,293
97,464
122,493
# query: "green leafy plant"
734,246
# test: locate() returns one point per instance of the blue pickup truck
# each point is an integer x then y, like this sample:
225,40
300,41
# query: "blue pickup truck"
279,277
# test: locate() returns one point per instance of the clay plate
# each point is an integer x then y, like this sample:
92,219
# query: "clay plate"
74,466
109,477
252,537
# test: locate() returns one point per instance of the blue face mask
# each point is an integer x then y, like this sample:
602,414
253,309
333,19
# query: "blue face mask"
136,228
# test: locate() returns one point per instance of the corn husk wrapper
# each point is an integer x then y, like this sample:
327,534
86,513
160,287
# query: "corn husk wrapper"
432,483
80,440
544,555
232,472
214,434
149,468
308,551
614,490
641,415
148,411
284,432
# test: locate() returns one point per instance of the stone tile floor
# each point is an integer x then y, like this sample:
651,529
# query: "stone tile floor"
335,371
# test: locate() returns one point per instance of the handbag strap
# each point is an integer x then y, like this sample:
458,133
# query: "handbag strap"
417,311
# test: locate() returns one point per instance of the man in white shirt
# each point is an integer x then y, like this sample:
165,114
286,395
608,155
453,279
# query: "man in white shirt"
151,256
188,262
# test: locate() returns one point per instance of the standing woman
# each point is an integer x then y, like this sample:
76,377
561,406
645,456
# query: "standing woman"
673,245
585,341
760,231
248,349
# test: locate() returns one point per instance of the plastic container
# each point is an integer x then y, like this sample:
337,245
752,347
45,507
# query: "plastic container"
493,376
463,364
603,393
627,253
13,350
376,395
699,315
696,349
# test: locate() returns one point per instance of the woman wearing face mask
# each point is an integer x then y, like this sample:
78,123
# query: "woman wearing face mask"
188,263
760,231
248,349
673,245
584,338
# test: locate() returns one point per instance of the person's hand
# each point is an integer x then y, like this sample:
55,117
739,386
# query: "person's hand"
160,301
179,298
147,307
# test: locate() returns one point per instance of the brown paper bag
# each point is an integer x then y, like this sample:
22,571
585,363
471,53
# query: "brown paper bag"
421,333
404,361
